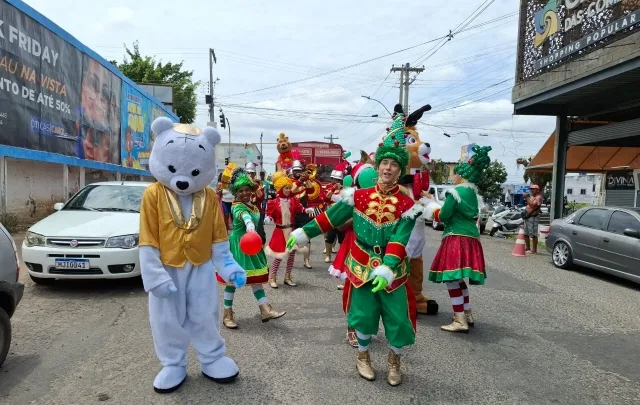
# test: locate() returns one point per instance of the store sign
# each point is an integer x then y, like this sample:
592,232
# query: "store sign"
328,152
620,180
557,29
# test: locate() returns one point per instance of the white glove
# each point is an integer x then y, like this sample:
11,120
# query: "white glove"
248,222
165,289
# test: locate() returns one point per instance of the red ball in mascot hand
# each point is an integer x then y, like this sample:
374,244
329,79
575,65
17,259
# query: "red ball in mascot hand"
251,243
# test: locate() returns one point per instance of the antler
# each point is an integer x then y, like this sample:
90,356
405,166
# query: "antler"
415,116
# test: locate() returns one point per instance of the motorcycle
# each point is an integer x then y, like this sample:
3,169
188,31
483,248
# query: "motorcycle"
506,221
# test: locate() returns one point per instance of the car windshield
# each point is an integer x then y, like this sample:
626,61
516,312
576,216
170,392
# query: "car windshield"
107,198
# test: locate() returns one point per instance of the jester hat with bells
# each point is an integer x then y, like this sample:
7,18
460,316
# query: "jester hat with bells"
473,169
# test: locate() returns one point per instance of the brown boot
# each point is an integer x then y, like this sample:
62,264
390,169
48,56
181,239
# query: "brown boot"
327,252
228,319
289,281
394,376
267,313
534,245
459,324
363,365
416,276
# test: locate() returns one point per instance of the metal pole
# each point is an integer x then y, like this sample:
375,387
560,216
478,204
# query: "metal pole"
405,103
229,125
212,57
559,167
261,155
401,87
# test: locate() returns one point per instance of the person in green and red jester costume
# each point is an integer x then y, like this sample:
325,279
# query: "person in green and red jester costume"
378,267
460,254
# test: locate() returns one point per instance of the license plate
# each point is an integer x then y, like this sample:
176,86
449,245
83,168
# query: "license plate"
72,264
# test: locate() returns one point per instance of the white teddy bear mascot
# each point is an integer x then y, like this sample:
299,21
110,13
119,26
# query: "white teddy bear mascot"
182,238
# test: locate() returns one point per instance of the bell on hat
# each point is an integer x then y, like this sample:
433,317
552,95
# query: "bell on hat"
337,175
250,167
297,165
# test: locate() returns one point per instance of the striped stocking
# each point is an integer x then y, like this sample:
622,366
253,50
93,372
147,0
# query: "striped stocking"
455,293
258,292
290,260
363,341
274,267
465,294
228,296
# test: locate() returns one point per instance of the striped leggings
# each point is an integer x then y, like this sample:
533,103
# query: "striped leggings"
275,265
459,294
258,292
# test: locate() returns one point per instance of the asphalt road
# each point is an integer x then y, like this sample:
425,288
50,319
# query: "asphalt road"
542,336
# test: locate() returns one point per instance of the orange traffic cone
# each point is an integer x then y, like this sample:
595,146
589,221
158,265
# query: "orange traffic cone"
519,248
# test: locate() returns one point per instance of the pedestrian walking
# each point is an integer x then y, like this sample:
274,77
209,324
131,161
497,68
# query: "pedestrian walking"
532,219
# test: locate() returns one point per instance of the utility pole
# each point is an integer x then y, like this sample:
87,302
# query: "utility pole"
209,99
261,155
405,82
229,125
331,138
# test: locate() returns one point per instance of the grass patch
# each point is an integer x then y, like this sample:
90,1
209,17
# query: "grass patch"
11,222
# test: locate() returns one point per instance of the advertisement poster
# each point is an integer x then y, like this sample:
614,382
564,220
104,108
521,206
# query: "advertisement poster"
136,143
52,97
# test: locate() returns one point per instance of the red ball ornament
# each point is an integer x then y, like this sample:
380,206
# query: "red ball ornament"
380,144
387,129
251,243
470,161
396,143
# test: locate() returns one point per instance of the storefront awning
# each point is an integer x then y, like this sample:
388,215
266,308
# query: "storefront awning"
587,159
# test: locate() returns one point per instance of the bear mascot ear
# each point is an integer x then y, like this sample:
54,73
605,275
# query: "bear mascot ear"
161,124
212,135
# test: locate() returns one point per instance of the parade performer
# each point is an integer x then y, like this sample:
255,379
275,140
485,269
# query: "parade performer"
309,193
182,238
282,209
286,154
339,267
245,216
332,195
460,255
257,198
383,218
416,184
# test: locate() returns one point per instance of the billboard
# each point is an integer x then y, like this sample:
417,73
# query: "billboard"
553,32
55,97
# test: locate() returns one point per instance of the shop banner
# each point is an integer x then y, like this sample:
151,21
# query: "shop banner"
620,180
138,113
54,98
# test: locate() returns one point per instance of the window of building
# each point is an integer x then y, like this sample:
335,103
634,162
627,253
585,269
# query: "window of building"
594,188
583,191
569,191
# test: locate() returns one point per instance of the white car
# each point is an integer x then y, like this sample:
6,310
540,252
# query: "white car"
93,236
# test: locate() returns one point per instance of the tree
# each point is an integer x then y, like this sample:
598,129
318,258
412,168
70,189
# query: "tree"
438,171
539,178
145,69
490,184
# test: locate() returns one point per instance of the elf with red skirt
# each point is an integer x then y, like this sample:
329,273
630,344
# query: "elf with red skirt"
460,255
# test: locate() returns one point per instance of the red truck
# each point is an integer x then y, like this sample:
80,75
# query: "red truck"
323,154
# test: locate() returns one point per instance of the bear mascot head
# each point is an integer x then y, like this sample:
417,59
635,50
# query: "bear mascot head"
183,157
286,154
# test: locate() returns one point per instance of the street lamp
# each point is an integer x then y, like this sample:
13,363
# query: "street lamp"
377,101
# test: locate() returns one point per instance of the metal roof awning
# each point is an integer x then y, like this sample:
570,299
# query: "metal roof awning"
587,159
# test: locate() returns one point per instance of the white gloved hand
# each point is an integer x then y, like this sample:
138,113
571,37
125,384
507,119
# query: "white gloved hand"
165,289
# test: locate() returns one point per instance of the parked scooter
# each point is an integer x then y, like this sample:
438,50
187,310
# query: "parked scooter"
506,221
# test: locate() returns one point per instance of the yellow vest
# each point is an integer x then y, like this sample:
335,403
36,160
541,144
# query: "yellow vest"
163,226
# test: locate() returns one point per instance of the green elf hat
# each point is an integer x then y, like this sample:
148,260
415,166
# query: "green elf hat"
393,145
472,169
239,179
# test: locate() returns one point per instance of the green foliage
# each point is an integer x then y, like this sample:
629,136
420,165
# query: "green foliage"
539,178
489,185
145,69
439,171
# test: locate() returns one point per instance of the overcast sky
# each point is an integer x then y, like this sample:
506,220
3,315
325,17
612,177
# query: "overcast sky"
261,45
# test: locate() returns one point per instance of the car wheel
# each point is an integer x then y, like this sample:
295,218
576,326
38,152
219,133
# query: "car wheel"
5,335
493,231
561,255
42,281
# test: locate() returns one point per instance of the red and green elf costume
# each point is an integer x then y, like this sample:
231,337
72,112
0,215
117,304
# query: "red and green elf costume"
460,255
378,267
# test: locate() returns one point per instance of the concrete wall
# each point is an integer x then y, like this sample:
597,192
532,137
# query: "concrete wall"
33,187
614,53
